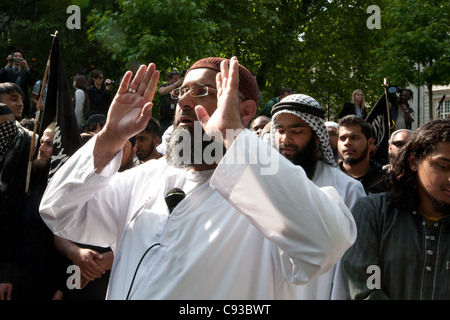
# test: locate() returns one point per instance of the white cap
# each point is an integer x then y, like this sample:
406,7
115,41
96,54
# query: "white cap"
331,124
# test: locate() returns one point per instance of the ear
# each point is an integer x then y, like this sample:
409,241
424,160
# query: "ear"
248,111
371,141
413,163
157,140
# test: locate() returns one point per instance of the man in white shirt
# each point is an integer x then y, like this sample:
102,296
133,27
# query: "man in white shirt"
220,241
300,133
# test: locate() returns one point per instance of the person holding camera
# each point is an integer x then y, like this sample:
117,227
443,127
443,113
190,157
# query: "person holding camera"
401,113
167,103
17,71
99,93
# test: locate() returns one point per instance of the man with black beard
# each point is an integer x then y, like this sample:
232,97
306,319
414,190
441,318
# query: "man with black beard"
299,131
354,142
147,140
402,251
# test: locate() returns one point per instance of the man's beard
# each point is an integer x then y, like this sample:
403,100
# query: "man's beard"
187,150
142,157
440,206
306,158
40,166
352,160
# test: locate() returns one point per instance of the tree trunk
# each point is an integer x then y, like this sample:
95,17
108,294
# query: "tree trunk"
430,100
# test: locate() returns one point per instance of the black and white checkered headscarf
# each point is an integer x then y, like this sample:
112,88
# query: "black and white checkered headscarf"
309,110
8,133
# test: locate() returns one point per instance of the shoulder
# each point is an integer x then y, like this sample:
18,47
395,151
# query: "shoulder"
347,186
27,134
328,171
333,175
79,93
372,204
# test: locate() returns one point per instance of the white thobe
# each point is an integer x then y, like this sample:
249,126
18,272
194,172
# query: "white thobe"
238,234
330,285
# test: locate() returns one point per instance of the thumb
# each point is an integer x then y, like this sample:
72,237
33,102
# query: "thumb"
202,115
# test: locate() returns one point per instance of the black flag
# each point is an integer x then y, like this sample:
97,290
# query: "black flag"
59,108
379,120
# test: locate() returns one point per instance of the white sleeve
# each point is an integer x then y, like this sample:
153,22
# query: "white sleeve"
82,205
79,104
310,227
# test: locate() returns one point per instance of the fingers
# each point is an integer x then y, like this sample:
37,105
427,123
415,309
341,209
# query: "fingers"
228,77
123,88
5,291
138,78
152,85
144,77
144,82
233,73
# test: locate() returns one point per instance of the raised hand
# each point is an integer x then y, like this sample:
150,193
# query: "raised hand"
129,113
131,108
228,112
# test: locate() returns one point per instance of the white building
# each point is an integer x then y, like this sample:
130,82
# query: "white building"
420,104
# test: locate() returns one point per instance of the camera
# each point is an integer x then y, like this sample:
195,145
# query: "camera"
392,92
393,89
110,82
18,60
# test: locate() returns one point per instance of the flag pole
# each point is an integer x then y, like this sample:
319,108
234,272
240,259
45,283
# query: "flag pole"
38,112
387,107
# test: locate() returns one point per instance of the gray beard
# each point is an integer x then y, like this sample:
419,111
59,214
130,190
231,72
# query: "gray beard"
189,150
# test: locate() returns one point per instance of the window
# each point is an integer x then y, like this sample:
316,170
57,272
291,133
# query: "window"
444,111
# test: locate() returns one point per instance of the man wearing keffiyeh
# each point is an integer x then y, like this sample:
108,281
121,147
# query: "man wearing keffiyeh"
299,133
15,144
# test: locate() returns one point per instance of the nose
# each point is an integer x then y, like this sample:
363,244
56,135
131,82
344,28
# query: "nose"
345,141
285,138
41,148
186,101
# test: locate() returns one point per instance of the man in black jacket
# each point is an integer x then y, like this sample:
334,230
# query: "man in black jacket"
17,71
15,144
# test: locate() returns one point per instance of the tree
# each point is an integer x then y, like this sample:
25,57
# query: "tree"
417,48
27,25
336,57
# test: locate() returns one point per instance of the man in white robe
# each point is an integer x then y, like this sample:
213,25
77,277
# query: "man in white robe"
300,134
221,241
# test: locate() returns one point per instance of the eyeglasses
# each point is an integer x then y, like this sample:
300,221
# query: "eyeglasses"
398,144
194,91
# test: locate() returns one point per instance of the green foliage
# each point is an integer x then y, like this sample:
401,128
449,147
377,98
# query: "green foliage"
322,48
417,48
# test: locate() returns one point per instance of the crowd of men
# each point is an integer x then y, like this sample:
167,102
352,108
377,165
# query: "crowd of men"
328,223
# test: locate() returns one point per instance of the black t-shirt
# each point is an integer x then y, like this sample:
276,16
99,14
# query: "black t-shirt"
167,106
